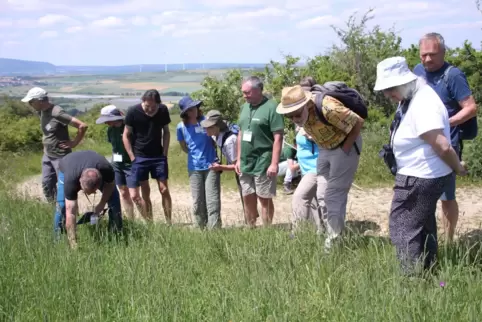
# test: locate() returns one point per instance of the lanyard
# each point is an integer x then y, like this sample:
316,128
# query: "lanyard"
251,115
91,204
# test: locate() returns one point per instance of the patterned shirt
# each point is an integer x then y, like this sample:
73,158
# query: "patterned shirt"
340,117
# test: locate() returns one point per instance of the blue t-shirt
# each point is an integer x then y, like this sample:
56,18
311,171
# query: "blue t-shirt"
458,89
200,146
307,154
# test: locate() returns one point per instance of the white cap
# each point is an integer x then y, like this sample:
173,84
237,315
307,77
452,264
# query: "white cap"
109,113
35,93
393,72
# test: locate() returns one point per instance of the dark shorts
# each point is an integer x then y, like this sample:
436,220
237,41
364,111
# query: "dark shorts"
142,167
123,177
449,189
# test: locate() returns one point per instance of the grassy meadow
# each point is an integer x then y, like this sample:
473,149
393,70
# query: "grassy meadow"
159,273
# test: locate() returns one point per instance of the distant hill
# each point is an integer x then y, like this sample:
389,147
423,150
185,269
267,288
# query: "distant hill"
24,67
16,67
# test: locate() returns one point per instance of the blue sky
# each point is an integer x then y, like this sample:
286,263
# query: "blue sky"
108,32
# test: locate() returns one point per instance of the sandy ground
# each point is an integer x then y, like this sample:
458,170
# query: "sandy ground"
367,209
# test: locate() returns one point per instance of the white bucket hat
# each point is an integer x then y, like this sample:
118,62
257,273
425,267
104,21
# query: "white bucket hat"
393,72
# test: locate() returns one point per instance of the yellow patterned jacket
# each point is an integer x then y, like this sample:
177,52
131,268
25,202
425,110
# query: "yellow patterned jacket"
340,117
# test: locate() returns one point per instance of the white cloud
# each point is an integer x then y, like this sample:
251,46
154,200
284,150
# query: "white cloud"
49,34
318,22
11,43
6,23
139,21
108,22
52,19
74,29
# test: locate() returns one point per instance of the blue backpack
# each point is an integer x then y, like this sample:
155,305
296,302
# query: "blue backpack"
233,129
468,129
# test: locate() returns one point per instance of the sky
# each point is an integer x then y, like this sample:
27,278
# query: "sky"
122,32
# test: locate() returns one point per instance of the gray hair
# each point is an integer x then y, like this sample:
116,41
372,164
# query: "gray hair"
90,178
434,36
408,90
255,82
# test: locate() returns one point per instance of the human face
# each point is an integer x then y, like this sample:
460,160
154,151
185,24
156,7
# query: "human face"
393,94
37,105
212,130
431,55
250,94
192,113
89,191
114,123
150,106
300,116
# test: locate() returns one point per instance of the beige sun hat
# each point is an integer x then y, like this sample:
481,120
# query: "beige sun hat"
292,99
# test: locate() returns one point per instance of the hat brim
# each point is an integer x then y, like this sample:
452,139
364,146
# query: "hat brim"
104,119
208,123
191,105
281,109
382,84
26,99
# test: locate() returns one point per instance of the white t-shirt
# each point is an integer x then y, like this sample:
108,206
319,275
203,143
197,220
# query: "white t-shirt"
414,156
229,149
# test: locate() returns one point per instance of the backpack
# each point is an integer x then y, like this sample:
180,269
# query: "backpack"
468,129
233,129
348,96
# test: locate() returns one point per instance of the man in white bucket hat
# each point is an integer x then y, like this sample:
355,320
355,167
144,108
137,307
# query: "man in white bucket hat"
423,162
56,141
339,143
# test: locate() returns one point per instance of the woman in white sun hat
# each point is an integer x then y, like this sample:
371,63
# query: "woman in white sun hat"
424,160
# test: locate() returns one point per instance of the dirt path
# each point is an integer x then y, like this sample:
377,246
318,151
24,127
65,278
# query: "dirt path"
367,209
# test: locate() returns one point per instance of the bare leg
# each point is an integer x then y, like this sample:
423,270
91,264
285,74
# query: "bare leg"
251,209
267,210
166,200
127,201
140,203
450,217
146,196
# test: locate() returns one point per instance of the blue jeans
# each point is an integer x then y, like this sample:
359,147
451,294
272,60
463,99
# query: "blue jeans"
114,204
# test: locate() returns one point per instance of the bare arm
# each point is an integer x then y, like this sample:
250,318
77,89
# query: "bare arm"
237,166
127,142
81,129
444,149
106,194
468,111
354,133
277,146
183,146
166,139
294,166
71,210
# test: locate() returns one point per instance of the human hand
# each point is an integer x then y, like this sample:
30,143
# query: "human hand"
462,170
215,167
99,208
237,167
67,145
272,170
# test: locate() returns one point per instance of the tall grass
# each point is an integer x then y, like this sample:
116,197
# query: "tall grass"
174,274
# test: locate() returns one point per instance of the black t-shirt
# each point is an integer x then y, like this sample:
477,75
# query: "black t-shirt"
74,163
146,138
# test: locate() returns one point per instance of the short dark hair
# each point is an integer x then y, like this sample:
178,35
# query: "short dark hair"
152,94
307,82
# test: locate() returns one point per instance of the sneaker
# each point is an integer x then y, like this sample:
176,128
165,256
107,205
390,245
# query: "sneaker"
287,189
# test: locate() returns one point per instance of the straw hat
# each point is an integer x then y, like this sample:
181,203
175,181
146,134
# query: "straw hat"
393,72
292,99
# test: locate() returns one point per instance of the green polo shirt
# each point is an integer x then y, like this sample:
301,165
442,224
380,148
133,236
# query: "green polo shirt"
114,136
261,121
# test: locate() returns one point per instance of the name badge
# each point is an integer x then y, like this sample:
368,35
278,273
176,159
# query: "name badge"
48,127
247,136
199,129
117,157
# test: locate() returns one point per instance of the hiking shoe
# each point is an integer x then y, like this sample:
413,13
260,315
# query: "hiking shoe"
287,190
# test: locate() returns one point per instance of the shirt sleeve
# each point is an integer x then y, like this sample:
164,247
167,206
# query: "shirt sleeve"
129,118
338,115
179,132
276,121
107,172
427,117
166,117
62,116
70,189
230,148
458,85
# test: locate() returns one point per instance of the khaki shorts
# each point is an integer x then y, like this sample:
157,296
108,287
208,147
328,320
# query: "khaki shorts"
262,185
